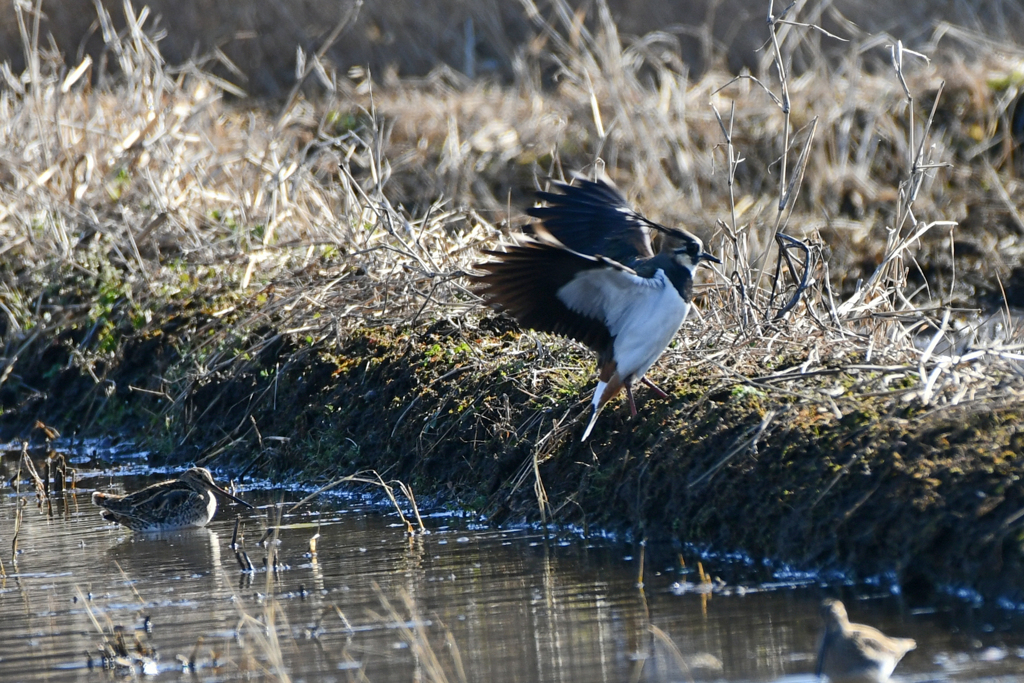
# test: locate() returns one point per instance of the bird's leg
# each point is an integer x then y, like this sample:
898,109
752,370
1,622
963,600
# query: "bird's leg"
632,403
658,390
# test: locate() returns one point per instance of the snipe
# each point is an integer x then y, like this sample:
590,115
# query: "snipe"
187,501
855,653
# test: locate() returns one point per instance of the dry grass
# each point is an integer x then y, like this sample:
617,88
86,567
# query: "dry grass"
415,631
365,207
256,44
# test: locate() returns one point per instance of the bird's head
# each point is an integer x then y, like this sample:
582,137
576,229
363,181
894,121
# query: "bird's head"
199,475
687,249
833,613
203,477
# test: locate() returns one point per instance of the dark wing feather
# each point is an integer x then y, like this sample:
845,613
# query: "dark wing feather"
171,501
127,502
593,218
525,282
160,497
159,509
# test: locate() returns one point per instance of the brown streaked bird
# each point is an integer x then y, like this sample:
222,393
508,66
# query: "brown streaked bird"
590,273
855,653
187,501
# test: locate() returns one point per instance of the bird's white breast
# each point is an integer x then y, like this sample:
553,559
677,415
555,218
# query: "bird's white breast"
211,508
642,314
647,326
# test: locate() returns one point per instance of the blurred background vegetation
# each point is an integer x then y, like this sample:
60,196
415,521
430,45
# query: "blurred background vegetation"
481,38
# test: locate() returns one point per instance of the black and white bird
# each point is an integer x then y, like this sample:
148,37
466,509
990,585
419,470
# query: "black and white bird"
589,272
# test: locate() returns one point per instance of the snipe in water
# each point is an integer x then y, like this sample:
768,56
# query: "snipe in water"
187,501
855,653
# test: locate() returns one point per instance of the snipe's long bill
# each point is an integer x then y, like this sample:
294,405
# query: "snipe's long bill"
187,501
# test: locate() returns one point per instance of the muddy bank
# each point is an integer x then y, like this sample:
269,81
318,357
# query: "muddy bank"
475,413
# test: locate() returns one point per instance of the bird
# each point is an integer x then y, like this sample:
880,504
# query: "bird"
855,653
588,271
187,501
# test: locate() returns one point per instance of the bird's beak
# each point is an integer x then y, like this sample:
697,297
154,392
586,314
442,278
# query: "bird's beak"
234,498
705,256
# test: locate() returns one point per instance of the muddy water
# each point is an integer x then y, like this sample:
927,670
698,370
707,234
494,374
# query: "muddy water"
463,602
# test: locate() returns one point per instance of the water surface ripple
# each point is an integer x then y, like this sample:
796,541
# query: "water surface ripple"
463,602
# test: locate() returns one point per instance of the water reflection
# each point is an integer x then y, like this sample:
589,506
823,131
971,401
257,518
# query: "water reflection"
373,603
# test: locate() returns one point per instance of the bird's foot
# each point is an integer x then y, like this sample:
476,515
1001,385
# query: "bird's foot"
632,403
655,388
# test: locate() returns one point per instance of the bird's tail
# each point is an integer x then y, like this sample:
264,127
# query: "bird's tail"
594,412
604,391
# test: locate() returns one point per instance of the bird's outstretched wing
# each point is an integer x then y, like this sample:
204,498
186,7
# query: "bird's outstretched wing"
550,288
593,218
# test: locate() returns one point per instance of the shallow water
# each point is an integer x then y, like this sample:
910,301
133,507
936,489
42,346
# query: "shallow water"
485,604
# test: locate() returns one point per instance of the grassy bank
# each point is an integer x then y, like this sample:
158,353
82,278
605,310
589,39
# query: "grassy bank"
282,292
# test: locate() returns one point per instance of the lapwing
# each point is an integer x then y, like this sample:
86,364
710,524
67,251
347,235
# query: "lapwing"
589,272
187,501
855,653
